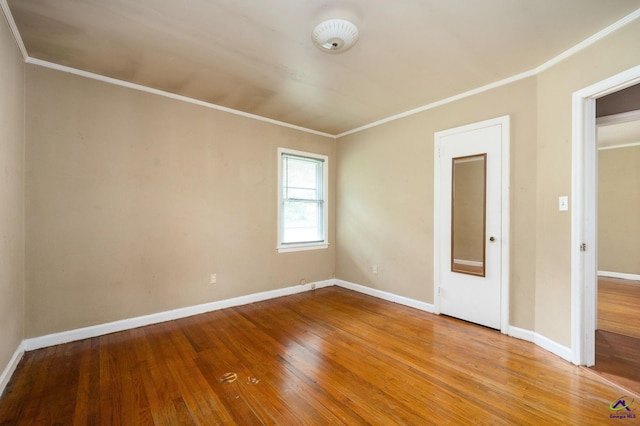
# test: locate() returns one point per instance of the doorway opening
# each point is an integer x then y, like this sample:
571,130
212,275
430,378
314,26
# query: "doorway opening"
617,336
584,252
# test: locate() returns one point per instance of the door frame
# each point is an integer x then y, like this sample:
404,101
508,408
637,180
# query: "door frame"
438,233
584,215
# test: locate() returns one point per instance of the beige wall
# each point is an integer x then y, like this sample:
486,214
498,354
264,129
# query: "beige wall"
385,188
11,195
619,210
133,200
385,197
615,53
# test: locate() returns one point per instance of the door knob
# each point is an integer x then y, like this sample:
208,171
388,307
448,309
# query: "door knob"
492,239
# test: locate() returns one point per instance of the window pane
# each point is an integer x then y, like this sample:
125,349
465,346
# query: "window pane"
302,221
302,193
301,201
301,178
303,172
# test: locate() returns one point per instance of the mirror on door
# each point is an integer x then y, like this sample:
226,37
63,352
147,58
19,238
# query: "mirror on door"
468,216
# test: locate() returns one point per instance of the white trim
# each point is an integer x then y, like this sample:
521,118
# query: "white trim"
442,102
14,28
589,41
566,54
553,347
302,247
515,332
521,333
545,66
170,95
584,213
11,367
437,226
285,248
505,185
621,275
130,323
582,262
110,80
505,239
623,117
127,324
390,297
624,145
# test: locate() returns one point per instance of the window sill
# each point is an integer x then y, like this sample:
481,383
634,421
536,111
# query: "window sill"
302,247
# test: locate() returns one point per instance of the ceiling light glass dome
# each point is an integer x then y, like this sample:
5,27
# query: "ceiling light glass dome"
335,35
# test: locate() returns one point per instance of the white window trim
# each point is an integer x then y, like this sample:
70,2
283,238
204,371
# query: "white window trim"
316,245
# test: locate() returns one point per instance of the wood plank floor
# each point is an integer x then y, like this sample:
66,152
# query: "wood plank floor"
329,356
618,360
619,306
618,335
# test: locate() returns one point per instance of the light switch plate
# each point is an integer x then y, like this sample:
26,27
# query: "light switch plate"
563,203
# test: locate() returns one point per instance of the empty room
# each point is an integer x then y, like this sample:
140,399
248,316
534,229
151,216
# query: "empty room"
342,212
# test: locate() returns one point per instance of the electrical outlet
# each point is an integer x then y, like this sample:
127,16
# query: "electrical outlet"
303,281
374,269
213,279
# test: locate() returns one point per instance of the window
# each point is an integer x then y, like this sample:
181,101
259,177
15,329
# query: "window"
302,205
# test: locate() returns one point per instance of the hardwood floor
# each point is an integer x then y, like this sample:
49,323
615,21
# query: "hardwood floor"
619,306
330,356
617,360
618,335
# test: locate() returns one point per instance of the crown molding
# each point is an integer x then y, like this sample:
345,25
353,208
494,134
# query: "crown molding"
545,66
442,102
170,95
589,41
549,64
14,29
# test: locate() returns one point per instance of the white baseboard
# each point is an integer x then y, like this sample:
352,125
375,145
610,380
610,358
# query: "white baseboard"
542,341
521,333
553,347
518,333
11,367
423,306
622,275
127,324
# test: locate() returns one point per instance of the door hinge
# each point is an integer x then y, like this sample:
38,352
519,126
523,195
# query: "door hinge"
438,291
583,247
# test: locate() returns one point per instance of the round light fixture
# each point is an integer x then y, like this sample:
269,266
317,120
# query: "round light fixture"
335,35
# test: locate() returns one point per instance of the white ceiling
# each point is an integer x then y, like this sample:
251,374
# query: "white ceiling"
256,56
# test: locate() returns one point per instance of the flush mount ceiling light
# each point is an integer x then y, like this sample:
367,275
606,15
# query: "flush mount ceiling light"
335,35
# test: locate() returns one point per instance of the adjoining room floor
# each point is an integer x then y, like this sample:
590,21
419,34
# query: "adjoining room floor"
329,356
618,334
619,306
618,360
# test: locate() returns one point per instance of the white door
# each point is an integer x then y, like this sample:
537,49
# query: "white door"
471,233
